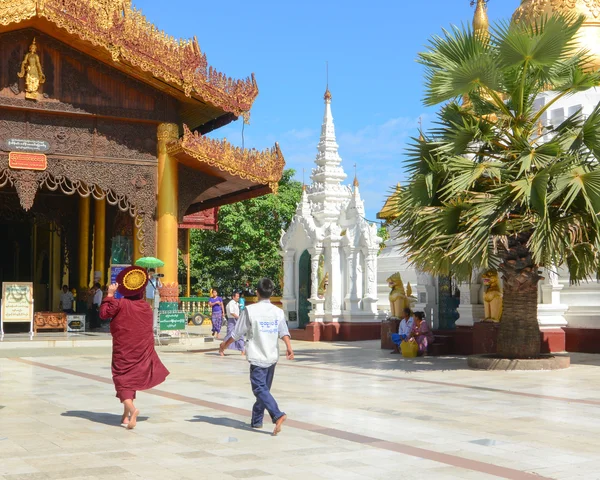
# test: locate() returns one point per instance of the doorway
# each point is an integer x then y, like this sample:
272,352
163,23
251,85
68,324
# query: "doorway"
304,288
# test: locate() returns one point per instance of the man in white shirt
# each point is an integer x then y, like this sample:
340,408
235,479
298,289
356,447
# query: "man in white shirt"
96,301
152,287
66,300
233,314
263,324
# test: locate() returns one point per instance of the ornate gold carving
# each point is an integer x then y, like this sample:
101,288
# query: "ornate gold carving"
15,11
167,132
126,34
31,69
263,168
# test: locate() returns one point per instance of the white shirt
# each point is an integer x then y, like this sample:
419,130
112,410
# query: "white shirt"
406,327
233,307
263,324
152,287
98,297
66,300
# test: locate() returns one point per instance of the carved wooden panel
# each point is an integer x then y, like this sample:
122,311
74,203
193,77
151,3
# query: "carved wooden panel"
191,184
88,136
77,83
130,187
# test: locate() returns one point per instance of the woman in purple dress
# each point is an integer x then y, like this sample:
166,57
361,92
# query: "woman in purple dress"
216,303
422,333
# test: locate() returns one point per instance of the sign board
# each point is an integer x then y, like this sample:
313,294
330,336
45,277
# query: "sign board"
27,161
75,323
17,302
114,273
172,321
26,145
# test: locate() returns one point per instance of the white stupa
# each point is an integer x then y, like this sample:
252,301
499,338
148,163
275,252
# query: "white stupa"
330,250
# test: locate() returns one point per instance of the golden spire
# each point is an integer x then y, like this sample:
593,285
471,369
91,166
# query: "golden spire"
355,183
327,96
481,22
421,137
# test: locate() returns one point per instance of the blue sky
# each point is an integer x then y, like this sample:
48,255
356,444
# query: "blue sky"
371,48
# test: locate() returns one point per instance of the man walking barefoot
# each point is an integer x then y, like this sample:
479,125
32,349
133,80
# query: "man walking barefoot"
263,324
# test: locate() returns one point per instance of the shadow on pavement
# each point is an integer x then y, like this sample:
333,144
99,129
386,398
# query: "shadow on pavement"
99,417
229,423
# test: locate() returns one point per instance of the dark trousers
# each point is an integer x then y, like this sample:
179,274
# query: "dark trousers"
261,380
95,317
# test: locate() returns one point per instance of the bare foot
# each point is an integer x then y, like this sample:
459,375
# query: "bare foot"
243,353
221,353
133,419
278,424
124,420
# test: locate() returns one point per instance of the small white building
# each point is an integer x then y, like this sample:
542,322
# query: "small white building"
330,251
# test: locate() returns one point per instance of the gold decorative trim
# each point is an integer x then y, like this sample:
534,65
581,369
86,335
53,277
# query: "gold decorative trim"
167,132
265,168
127,35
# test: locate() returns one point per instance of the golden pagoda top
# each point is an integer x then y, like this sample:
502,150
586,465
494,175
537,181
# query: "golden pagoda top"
129,37
481,22
388,212
589,36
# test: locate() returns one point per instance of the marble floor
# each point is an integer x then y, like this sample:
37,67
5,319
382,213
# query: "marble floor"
355,412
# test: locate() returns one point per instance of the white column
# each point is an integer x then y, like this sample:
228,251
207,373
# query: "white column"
334,290
370,298
427,297
317,312
470,310
352,299
551,312
289,287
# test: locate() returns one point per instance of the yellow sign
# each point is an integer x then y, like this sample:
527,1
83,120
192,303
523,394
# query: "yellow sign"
17,302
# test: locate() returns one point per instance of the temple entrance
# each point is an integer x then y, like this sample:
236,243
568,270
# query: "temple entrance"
42,246
304,288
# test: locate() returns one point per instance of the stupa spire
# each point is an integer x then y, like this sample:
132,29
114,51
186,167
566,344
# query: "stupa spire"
481,22
326,191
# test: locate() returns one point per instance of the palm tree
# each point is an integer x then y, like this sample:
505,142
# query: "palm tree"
490,187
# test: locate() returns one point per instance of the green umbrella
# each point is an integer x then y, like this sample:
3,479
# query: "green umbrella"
149,262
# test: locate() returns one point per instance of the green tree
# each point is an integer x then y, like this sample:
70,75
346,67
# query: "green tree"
490,187
246,245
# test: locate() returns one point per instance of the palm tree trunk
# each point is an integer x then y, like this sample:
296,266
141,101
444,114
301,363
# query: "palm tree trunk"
519,333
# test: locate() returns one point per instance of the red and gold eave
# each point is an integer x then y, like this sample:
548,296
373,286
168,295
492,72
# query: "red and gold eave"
118,34
204,220
243,173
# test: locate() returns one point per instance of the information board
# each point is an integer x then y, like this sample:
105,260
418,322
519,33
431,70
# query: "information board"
75,323
17,302
172,321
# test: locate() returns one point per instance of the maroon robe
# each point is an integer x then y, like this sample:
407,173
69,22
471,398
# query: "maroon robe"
135,363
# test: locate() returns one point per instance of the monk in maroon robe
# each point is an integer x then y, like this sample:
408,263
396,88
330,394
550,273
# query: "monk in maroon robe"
135,364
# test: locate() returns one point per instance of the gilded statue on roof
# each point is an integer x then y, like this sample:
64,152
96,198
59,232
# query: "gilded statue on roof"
31,69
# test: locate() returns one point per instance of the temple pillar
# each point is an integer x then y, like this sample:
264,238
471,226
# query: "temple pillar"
100,241
84,242
370,299
427,297
137,242
334,290
352,299
288,300
318,304
167,206
470,309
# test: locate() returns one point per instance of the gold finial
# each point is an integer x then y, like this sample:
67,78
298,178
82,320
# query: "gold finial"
481,22
540,128
355,183
327,96
421,137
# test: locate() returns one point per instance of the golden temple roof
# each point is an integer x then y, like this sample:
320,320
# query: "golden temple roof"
589,36
242,169
126,34
389,210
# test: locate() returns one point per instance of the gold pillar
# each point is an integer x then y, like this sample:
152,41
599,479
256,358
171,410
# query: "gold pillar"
167,204
84,241
100,239
137,243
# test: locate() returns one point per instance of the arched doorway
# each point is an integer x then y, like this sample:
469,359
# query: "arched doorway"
304,287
